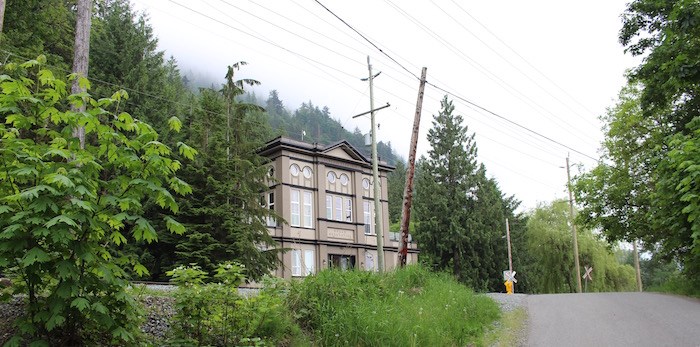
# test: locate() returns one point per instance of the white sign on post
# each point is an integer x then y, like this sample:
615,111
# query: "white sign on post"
508,276
587,275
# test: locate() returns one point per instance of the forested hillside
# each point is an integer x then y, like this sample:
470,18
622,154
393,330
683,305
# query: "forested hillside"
315,124
224,122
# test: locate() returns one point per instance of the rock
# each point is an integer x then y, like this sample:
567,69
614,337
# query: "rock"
5,282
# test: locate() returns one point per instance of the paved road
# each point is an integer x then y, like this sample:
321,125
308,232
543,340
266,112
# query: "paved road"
613,319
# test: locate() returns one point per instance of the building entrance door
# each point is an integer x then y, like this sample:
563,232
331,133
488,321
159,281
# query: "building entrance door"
340,261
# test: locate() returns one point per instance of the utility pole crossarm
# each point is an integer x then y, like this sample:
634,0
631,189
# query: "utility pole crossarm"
373,110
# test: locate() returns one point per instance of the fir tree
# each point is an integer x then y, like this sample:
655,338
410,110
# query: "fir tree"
445,192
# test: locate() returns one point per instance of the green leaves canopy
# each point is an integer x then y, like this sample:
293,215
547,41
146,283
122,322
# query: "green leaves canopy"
647,184
65,211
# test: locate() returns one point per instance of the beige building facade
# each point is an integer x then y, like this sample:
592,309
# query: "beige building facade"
326,196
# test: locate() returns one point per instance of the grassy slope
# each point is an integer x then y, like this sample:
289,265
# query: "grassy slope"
410,307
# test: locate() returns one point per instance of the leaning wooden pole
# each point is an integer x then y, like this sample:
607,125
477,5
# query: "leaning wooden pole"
410,172
81,57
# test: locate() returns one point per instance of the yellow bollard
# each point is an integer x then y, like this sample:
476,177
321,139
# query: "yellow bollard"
509,287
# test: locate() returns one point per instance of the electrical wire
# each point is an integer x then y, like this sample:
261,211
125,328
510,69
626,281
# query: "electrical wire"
511,64
523,58
369,41
454,94
486,72
512,122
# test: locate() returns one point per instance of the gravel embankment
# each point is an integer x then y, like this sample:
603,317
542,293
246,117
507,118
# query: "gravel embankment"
9,311
508,302
159,311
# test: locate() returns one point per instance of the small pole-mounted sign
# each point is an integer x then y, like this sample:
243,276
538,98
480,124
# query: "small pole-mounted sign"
587,276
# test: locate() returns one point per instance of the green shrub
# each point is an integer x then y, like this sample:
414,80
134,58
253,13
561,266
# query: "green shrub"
407,307
66,212
678,283
215,314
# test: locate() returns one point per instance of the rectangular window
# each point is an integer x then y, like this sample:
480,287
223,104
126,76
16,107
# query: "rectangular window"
302,208
296,262
329,207
296,213
268,201
339,208
309,262
348,210
369,228
308,210
303,262
341,261
338,205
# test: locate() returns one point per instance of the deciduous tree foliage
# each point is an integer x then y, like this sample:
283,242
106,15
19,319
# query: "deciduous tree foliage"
550,245
647,185
66,212
667,32
616,195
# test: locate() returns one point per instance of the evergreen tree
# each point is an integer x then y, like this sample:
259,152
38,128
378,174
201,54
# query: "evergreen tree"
396,181
460,212
34,27
224,216
123,52
445,195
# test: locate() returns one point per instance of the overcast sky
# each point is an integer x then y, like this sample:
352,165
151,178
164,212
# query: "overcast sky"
552,66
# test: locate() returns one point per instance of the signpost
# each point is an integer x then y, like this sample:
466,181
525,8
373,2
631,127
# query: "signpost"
509,277
587,276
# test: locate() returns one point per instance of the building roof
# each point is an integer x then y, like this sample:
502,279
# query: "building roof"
317,149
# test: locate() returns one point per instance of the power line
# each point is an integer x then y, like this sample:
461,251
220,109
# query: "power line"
328,37
512,122
511,64
523,58
492,76
268,55
463,100
370,42
286,30
260,39
515,135
454,94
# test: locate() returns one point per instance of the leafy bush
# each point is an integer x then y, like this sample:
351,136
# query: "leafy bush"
67,211
678,283
215,314
407,307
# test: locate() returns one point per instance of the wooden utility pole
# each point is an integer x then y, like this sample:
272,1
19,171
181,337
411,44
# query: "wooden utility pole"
2,15
510,259
510,256
408,187
81,57
573,226
636,265
375,176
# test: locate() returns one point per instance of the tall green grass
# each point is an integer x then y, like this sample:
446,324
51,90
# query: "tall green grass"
407,307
